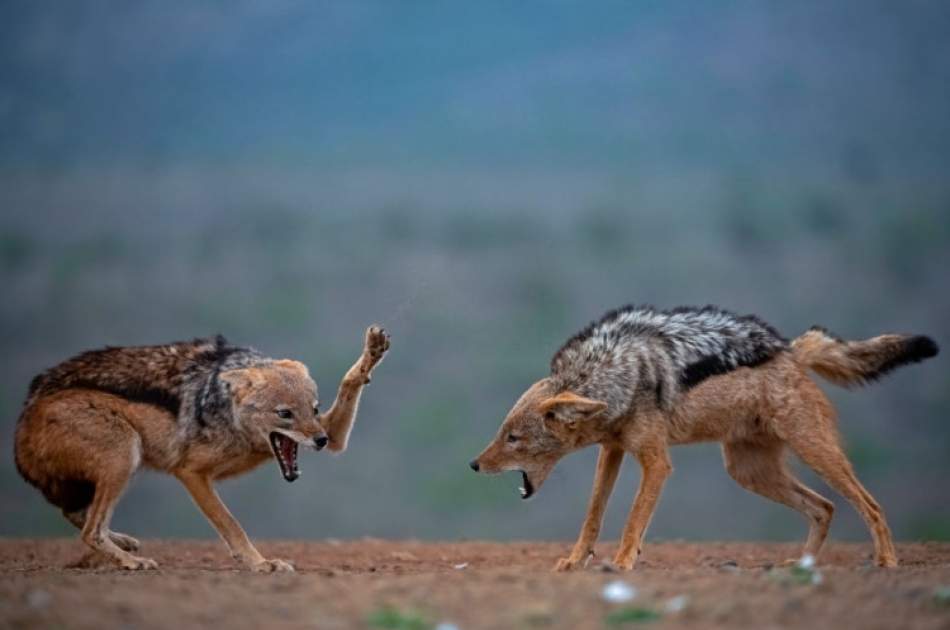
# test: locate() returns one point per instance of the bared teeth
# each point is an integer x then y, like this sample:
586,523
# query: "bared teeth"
285,451
527,489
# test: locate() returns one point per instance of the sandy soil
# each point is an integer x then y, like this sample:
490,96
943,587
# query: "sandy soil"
359,584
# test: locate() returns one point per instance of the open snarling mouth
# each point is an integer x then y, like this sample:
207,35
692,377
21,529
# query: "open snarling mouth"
526,489
285,451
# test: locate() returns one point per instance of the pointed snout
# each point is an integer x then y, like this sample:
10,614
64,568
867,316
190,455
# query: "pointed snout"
474,465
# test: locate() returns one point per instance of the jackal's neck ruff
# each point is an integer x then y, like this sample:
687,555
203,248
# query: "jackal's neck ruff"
640,351
181,377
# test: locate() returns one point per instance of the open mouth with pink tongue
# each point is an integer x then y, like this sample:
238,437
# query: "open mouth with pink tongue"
285,451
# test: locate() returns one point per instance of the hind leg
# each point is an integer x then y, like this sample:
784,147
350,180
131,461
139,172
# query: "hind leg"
123,541
812,435
95,531
760,468
79,449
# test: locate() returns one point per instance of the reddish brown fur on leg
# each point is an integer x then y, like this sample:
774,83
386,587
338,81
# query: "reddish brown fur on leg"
80,449
338,420
759,467
656,467
608,466
811,433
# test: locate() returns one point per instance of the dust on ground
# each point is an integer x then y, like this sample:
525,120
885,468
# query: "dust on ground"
372,583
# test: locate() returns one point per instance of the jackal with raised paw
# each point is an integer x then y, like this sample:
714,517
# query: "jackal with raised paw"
200,410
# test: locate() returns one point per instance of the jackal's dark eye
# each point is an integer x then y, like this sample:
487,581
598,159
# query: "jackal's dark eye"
284,414
512,438
316,410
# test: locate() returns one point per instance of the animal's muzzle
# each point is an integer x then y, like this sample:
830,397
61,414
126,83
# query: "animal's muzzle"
474,465
320,441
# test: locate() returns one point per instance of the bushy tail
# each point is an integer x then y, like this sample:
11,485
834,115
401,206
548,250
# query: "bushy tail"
853,363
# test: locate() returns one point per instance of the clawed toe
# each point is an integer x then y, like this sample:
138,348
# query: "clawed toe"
377,342
626,564
274,566
565,564
137,563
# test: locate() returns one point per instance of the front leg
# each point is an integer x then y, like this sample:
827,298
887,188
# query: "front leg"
656,467
208,501
608,465
338,420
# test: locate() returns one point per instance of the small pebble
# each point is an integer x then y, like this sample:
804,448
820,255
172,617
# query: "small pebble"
618,591
446,625
676,604
460,566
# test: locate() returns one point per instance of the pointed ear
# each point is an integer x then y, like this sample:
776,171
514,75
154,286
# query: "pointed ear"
242,381
571,407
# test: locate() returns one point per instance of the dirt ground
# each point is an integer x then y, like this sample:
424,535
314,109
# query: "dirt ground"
372,583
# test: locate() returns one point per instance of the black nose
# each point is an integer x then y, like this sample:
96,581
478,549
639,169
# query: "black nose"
474,465
321,441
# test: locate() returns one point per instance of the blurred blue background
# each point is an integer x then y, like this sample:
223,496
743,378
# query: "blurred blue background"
483,179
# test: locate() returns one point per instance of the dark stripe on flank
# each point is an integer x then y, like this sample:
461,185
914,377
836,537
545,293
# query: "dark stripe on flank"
150,396
706,367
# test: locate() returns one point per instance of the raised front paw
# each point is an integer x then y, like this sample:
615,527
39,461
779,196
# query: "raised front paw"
375,347
273,566
137,563
377,342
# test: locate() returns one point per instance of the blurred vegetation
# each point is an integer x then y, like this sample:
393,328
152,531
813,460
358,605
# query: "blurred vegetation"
396,619
15,249
498,182
631,615
930,527
472,325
